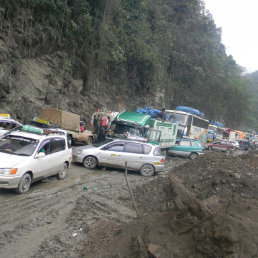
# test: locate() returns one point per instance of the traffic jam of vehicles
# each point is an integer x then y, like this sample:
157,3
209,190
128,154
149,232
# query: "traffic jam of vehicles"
136,141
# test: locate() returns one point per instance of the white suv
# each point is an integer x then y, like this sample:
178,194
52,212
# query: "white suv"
31,154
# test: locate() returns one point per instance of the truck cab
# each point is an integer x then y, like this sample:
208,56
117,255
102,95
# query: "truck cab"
141,127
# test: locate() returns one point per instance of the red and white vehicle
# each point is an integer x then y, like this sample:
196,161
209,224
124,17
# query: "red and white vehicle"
219,146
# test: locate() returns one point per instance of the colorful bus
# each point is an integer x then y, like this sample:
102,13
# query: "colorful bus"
189,125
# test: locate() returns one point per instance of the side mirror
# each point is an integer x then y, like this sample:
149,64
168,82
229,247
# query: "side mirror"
40,155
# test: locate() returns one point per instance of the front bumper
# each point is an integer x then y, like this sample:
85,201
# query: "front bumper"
9,182
78,158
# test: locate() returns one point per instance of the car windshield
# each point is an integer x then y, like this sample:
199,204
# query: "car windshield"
18,145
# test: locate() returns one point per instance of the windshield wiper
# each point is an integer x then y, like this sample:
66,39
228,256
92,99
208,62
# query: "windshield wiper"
5,151
22,154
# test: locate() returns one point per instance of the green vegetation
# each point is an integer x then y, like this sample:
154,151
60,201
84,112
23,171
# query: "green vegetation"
251,120
141,47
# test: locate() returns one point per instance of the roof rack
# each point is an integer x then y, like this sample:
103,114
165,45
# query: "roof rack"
36,130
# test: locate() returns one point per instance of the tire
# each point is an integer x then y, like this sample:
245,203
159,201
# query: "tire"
24,184
193,155
63,172
73,141
90,162
147,170
210,148
90,140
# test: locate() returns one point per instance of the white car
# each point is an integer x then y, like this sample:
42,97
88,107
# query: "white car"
7,123
144,157
235,144
30,154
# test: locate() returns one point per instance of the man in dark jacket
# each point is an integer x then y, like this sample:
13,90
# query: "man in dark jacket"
163,114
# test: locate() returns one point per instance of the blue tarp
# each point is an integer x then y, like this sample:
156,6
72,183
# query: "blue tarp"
219,124
190,110
154,113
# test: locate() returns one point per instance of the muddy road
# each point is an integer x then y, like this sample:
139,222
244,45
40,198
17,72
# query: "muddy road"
70,217
55,217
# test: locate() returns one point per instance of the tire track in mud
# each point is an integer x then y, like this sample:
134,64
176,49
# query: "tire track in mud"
41,222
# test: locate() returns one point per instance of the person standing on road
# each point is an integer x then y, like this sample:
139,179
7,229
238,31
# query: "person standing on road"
95,124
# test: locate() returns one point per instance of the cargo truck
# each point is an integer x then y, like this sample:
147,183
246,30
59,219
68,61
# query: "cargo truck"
68,121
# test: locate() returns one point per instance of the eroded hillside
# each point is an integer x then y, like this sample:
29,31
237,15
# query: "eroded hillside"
80,55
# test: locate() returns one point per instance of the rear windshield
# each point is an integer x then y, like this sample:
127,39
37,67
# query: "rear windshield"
157,152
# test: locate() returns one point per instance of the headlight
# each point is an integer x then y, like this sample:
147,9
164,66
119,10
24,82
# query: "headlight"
8,171
78,151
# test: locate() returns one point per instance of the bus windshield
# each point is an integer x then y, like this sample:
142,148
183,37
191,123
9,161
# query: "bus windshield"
179,118
212,128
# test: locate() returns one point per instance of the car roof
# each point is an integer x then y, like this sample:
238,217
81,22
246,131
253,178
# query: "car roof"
2,119
186,139
37,136
129,141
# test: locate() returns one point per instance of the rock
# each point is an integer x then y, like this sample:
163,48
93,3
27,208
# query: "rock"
156,250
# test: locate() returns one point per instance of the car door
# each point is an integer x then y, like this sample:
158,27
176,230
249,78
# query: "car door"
57,154
134,156
182,148
223,146
185,148
216,146
111,154
41,166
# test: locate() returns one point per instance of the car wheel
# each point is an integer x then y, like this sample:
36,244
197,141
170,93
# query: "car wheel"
24,184
90,162
193,155
63,172
210,148
147,170
90,140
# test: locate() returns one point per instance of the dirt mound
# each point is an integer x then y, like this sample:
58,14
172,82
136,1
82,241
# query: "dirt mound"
211,211
221,175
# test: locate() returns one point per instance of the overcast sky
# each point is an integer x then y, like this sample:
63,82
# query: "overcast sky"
239,22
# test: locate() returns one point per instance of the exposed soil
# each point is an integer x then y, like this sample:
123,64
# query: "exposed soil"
202,208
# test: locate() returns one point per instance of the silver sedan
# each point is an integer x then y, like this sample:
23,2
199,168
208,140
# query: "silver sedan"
143,157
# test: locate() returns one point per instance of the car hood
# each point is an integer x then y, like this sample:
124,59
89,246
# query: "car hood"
85,148
10,160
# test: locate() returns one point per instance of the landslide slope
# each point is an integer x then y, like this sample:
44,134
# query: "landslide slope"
80,55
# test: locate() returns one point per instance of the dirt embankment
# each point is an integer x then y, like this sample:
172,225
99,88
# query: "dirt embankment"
207,208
